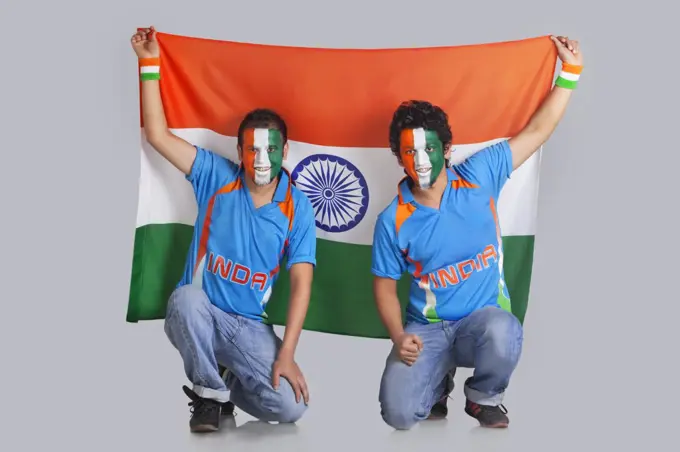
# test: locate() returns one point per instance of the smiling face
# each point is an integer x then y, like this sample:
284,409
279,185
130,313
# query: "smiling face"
422,154
262,154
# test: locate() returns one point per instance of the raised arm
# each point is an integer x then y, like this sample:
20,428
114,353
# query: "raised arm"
176,150
544,121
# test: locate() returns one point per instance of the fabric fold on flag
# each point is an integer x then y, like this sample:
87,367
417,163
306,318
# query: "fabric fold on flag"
337,104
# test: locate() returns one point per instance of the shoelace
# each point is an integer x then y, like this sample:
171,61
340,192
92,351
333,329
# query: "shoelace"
202,406
199,405
500,407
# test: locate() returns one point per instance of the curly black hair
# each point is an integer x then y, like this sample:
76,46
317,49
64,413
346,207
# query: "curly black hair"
413,114
263,117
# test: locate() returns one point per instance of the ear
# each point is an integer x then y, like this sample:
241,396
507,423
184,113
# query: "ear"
285,150
447,151
240,152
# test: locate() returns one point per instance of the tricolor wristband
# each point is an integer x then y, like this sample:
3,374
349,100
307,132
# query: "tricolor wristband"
569,76
150,69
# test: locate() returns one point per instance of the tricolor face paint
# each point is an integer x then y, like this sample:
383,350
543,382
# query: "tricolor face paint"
262,154
422,154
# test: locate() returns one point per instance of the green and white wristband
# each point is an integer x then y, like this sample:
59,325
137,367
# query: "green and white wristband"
149,69
569,76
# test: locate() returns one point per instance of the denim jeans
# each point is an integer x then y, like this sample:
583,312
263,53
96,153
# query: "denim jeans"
206,336
488,340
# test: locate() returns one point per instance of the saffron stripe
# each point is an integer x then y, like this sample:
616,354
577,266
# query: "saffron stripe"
326,101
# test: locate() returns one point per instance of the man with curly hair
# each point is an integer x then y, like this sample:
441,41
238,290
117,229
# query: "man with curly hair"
442,228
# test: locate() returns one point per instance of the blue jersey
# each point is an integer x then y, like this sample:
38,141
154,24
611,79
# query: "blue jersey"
454,253
236,249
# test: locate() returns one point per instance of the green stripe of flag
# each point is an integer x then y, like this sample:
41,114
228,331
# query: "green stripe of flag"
342,295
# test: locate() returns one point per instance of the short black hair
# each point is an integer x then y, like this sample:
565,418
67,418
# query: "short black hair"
413,114
262,117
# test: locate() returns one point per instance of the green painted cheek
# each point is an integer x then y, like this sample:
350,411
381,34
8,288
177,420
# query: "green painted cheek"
275,157
437,162
276,161
436,155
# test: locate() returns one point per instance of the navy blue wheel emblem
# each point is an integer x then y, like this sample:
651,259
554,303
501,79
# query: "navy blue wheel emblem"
336,188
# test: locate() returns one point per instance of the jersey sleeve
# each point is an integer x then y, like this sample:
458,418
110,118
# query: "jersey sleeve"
489,168
209,173
302,239
387,259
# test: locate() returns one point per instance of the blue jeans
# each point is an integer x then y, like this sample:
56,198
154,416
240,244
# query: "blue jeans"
206,336
488,340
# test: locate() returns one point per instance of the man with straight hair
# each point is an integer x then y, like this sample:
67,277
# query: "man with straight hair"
249,217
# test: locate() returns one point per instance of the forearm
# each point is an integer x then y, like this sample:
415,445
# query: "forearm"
541,125
389,310
153,114
297,311
550,113
177,151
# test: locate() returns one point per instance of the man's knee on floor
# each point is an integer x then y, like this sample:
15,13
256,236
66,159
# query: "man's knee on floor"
282,405
398,409
399,419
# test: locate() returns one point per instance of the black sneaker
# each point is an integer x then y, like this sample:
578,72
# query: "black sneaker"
227,409
205,415
440,409
488,416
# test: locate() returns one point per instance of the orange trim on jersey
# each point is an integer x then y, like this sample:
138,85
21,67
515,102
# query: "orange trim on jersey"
404,212
287,207
419,267
205,232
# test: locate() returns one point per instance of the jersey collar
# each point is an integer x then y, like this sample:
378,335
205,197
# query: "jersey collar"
283,187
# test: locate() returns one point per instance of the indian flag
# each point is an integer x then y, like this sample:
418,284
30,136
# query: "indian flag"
338,104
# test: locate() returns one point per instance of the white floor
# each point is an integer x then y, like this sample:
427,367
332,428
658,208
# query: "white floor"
343,374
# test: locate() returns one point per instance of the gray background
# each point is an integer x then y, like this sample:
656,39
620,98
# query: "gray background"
599,368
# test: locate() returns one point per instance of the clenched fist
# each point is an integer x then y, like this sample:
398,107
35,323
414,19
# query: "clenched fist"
568,50
144,43
409,347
